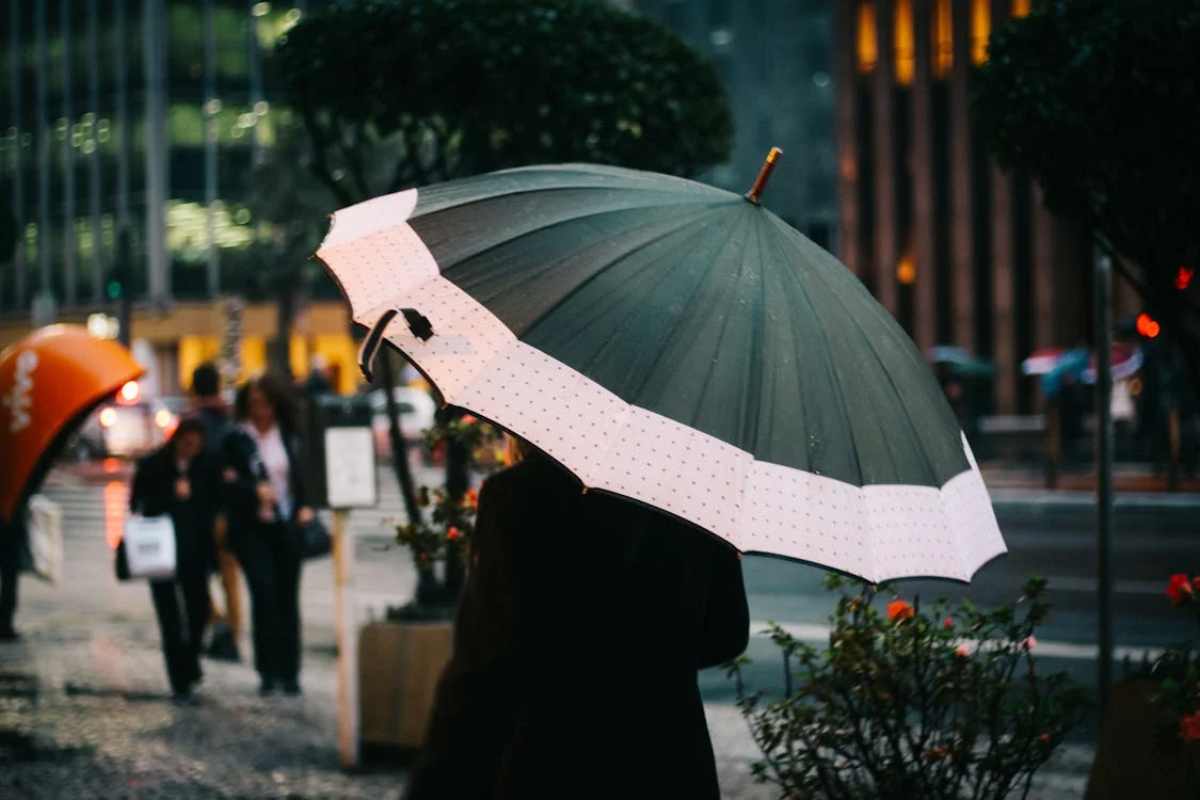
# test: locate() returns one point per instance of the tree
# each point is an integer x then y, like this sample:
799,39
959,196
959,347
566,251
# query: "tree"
1097,99
401,94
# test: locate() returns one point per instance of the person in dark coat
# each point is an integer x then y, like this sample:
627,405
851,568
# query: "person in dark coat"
584,620
266,502
174,480
13,546
210,408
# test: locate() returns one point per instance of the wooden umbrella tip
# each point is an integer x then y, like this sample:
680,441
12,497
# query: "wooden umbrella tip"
764,174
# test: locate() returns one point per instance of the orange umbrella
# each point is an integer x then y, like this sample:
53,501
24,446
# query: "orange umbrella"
49,381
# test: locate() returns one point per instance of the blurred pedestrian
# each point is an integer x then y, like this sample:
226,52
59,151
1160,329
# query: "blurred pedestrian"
173,480
210,408
584,620
266,503
13,545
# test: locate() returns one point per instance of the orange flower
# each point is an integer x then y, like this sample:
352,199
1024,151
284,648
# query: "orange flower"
1179,589
1189,727
471,499
899,610
453,533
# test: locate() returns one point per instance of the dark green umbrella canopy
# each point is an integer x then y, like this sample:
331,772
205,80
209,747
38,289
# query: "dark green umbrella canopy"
691,302
677,344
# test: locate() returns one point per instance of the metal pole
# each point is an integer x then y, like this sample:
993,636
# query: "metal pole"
347,635
158,276
211,108
70,278
43,151
1104,456
18,192
99,264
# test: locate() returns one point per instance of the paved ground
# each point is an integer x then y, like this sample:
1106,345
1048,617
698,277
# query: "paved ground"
83,701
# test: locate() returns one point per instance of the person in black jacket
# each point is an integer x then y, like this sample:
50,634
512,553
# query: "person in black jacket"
13,546
584,620
265,501
173,480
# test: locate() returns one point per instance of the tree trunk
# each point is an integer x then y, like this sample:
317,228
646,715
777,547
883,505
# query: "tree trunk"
280,360
399,446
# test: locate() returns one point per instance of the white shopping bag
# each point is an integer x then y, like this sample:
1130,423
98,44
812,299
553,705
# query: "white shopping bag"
45,538
150,546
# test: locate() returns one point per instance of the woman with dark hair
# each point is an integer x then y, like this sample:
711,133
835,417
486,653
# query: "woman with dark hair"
266,502
175,480
584,620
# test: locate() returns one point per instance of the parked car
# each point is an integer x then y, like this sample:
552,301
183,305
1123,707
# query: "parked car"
128,426
416,409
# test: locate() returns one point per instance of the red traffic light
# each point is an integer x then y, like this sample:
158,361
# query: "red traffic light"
1147,326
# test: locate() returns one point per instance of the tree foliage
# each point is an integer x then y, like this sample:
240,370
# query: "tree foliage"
397,94
1098,100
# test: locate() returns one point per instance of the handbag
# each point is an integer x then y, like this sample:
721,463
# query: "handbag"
147,548
315,541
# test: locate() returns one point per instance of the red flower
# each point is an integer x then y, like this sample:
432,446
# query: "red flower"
1029,642
1179,589
899,610
962,651
469,419
948,623
1189,727
453,533
1044,739
471,499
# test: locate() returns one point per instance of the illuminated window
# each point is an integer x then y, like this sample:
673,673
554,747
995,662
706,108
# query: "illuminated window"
981,29
902,41
868,42
1020,8
943,39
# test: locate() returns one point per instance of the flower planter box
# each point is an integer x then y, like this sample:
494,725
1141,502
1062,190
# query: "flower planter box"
1129,761
399,666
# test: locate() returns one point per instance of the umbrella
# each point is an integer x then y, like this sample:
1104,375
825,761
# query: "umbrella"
679,345
1056,365
49,381
959,361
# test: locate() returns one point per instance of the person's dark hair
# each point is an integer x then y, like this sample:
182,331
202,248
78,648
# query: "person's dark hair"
277,394
206,380
188,425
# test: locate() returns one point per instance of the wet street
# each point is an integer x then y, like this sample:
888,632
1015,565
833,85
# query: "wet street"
84,707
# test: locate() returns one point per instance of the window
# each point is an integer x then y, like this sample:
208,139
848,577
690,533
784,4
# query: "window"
902,42
868,42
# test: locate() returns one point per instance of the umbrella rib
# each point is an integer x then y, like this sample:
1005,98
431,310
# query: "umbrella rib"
583,284
677,198
617,329
674,333
834,373
932,472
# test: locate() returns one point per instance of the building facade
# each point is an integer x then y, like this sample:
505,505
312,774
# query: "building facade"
960,251
129,133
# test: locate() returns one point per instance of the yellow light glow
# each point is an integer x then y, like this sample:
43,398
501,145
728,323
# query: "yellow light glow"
163,418
129,392
1020,8
902,42
868,42
981,29
108,418
943,39
906,271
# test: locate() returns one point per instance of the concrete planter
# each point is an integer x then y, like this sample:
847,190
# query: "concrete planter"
1130,762
399,666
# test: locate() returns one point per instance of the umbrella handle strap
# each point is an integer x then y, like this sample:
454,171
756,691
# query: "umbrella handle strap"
418,324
